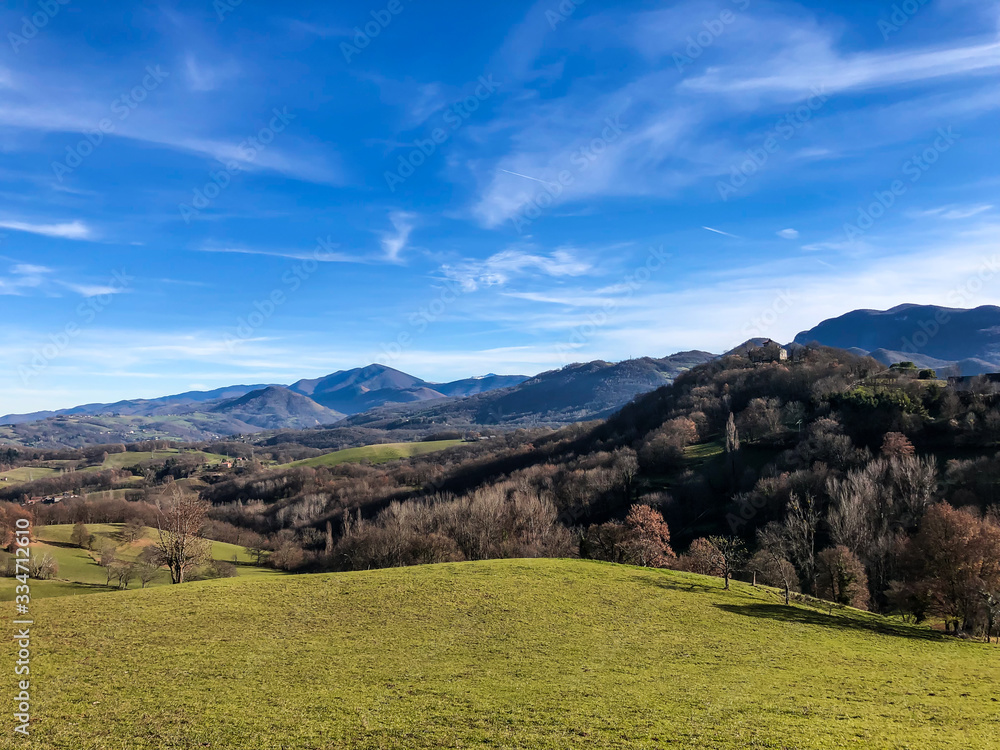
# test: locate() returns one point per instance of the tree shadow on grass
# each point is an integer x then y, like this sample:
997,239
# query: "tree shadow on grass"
859,623
713,586
63,545
85,585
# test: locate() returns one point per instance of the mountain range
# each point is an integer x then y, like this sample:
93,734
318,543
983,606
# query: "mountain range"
378,397
954,341
372,396
364,388
341,393
574,393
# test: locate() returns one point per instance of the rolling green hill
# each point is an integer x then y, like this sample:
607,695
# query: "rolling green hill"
80,573
131,458
499,654
113,461
27,474
378,454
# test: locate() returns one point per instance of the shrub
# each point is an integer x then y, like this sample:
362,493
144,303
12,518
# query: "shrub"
702,557
288,556
841,578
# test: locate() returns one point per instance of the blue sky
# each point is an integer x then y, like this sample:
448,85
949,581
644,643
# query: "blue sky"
206,193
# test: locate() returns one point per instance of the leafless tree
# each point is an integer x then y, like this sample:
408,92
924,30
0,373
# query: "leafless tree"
133,530
255,546
761,418
80,536
626,467
732,450
179,541
43,567
124,571
703,558
148,565
775,550
732,554
801,522
732,435
109,554
874,507
991,606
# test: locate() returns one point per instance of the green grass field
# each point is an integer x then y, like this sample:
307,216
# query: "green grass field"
377,454
27,474
113,461
499,654
80,573
701,452
131,458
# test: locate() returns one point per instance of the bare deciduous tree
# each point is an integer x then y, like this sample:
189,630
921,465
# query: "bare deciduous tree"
255,547
732,435
648,539
775,549
179,541
875,506
80,536
124,571
132,530
801,522
109,554
732,554
147,565
43,567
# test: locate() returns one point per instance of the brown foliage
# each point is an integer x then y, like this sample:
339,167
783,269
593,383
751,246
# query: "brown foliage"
841,578
644,539
896,444
702,557
952,565
647,540
507,519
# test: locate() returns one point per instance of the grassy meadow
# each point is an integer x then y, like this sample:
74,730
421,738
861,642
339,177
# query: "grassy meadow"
498,654
131,458
80,573
378,454
113,461
27,474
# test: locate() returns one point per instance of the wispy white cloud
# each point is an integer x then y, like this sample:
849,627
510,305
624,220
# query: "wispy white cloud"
320,255
22,278
788,234
74,230
837,246
30,269
202,76
689,126
394,242
500,268
952,213
719,231
49,108
318,30
811,62
27,278
588,145
92,290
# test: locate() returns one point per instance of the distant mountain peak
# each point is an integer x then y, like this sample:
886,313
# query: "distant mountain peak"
965,340
276,407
